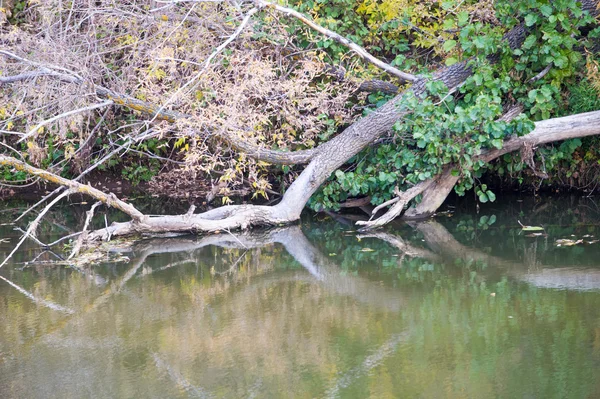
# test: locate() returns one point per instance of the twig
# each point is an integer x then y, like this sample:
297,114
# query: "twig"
33,225
364,54
63,238
108,232
81,238
541,74
35,129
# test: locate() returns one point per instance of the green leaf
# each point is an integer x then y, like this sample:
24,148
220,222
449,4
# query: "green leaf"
546,10
448,4
529,42
463,18
530,19
451,61
449,45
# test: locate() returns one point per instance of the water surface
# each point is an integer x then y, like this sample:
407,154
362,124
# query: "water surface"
461,306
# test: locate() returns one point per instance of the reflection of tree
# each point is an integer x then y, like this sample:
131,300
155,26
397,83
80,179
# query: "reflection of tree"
307,304
268,313
443,247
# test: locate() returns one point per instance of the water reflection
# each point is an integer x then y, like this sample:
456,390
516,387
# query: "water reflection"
447,308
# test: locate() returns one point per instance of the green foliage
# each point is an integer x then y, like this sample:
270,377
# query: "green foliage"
583,97
141,164
454,128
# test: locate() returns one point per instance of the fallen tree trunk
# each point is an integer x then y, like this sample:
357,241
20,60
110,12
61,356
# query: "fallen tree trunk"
436,190
322,160
548,131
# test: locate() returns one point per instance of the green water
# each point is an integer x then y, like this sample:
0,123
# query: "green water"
464,306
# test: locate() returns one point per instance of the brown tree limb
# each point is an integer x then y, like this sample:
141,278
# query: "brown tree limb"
374,85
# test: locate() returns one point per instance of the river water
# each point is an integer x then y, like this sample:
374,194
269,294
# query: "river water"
463,306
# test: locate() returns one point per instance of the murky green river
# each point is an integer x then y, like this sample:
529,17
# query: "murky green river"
464,306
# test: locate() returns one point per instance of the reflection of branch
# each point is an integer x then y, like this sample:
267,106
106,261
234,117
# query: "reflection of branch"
33,225
180,380
40,301
295,242
447,248
147,271
114,288
370,362
403,246
233,265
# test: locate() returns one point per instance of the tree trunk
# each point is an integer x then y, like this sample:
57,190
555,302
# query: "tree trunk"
548,131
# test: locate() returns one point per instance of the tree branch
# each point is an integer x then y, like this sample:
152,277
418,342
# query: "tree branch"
33,225
107,199
548,131
35,129
364,54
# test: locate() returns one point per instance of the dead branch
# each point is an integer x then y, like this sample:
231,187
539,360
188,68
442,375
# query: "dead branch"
399,203
84,231
33,225
340,39
37,127
108,199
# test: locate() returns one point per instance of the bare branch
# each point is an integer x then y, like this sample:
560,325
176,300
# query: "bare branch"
82,237
24,76
35,129
107,199
541,74
33,225
364,54
400,202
